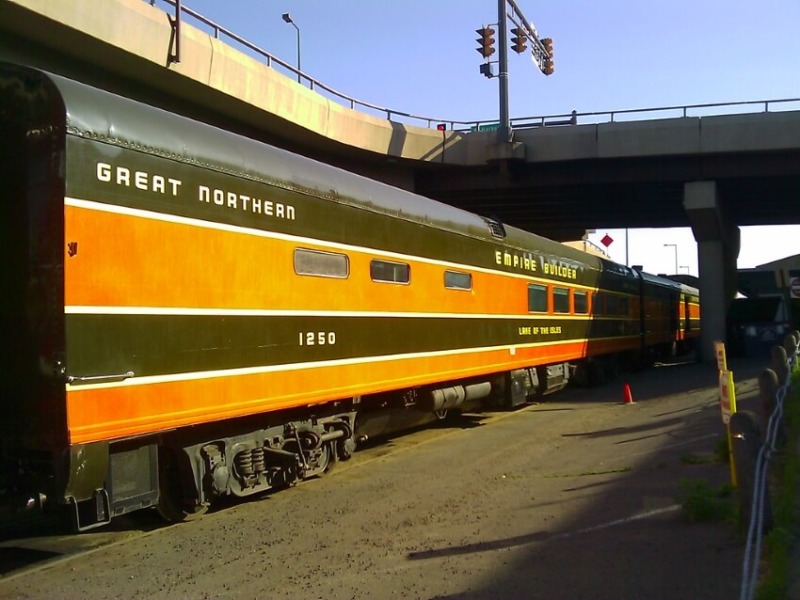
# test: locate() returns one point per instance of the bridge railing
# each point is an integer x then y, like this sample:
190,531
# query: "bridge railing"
659,112
273,61
554,120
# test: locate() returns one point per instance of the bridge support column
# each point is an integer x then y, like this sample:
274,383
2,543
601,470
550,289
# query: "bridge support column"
718,248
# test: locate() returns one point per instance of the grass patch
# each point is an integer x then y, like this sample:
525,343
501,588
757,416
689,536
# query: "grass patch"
720,454
774,583
703,503
691,458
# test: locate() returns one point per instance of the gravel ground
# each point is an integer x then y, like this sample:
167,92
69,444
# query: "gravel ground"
573,498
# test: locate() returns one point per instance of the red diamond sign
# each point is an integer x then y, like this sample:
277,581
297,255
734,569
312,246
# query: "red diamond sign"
607,240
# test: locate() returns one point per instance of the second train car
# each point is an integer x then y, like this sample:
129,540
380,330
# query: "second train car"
188,313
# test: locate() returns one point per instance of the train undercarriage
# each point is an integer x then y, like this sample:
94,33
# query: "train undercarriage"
183,472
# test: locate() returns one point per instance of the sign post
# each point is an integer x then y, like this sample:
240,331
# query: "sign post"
727,396
719,351
727,401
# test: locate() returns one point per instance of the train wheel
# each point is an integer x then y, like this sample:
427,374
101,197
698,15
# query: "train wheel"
324,462
329,458
174,504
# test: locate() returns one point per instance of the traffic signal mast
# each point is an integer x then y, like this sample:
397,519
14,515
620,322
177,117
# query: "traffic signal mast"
548,66
519,40
486,48
486,41
541,48
523,34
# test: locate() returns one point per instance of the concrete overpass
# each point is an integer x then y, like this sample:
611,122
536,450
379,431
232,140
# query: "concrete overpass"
712,173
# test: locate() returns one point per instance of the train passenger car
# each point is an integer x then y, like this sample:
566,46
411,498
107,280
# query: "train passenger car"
671,314
189,314
687,336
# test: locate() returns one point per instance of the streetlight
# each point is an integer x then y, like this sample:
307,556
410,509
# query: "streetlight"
288,18
675,247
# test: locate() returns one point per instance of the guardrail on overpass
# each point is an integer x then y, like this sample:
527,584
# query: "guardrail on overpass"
234,84
571,118
221,33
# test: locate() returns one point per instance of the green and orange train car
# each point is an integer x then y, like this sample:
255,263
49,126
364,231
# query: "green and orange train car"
187,313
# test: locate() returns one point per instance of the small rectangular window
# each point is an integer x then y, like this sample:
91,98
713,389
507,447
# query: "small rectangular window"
598,303
581,303
455,280
560,300
537,298
611,304
624,306
391,272
321,264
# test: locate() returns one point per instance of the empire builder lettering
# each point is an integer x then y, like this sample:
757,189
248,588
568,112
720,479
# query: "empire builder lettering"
559,270
524,261
527,262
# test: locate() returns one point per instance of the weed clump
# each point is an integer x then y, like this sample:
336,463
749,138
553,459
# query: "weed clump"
703,503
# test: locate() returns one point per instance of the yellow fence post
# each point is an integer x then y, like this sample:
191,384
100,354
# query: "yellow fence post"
727,401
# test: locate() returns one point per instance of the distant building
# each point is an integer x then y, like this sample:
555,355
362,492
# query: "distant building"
790,262
589,247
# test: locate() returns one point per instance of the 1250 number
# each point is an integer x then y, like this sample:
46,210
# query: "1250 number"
317,338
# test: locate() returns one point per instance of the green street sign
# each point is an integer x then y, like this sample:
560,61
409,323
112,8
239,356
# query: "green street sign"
485,127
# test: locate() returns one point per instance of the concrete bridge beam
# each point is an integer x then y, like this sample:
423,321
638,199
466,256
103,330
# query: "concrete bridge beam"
718,242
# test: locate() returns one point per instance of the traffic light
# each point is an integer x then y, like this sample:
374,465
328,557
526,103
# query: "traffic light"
548,58
518,40
486,41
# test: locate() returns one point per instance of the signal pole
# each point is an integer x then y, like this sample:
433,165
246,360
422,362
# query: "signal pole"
504,131
541,50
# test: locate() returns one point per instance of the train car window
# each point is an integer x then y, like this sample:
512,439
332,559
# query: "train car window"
624,306
598,303
455,280
581,303
321,264
611,304
537,298
389,272
560,300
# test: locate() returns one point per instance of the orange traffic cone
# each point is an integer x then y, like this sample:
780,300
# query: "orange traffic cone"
627,397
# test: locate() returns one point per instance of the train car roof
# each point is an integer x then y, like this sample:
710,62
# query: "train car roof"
669,283
109,118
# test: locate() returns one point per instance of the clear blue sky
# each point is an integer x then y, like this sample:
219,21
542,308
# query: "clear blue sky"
419,57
